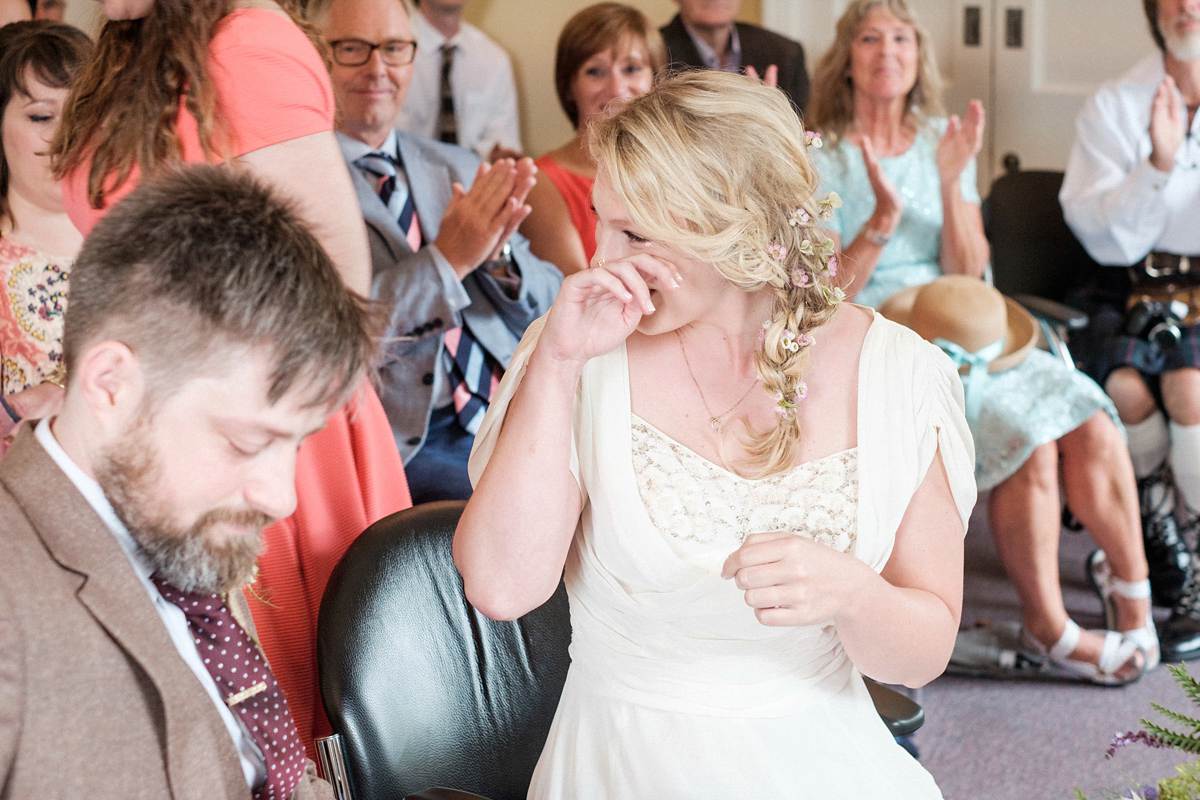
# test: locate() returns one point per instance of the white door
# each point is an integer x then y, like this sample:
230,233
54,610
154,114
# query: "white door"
1034,63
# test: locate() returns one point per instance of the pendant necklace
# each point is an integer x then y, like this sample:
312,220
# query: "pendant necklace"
715,420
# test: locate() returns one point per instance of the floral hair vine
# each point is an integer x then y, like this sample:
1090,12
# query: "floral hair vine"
786,402
812,139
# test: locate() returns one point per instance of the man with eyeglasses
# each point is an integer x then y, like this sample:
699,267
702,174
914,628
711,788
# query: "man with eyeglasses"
1132,195
459,284
463,90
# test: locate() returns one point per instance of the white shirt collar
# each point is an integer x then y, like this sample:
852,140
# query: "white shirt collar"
710,57
94,495
355,149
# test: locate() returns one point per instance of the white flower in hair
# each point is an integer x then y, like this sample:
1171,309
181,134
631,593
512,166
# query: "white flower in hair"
825,207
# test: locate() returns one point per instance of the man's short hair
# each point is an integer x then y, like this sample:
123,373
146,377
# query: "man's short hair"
206,260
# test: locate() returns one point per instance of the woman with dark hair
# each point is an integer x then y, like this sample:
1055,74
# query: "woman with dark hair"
241,82
37,240
910,213
606,52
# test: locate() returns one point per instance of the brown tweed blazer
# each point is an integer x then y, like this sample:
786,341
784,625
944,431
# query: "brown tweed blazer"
95,701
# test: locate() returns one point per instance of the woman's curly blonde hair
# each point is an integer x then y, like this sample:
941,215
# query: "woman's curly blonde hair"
714,166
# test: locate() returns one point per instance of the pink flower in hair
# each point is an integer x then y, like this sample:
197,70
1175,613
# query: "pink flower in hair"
777,251
799,278
799,217
831,265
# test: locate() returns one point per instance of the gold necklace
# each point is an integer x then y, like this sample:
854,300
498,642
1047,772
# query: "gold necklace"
713,419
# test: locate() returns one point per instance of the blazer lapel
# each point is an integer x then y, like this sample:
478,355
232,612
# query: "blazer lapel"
79,541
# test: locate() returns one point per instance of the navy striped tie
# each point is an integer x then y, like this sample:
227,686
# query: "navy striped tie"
400,205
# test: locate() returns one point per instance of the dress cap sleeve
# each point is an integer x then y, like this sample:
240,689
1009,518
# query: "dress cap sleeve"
493,420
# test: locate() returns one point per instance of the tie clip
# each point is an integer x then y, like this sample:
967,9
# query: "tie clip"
245,694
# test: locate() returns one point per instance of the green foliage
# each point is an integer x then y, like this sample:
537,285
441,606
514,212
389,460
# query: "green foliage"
1184,786
1187,740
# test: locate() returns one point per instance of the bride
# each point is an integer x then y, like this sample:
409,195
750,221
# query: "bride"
757,494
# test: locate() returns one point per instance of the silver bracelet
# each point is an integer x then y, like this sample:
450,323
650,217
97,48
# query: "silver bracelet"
875,237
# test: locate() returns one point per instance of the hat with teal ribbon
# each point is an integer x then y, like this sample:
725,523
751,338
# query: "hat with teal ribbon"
981,330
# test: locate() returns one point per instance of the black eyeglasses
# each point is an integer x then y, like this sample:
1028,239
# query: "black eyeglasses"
356,52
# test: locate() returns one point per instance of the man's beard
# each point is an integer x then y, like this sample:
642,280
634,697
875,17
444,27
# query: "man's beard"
129,472
1183,46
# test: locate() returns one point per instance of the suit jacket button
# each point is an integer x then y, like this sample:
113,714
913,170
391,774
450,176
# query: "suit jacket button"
413,441
427,379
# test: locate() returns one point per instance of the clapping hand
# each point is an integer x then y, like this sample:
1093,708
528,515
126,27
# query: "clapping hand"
1167,124
889,205
598,308
478,222
770,76
790,580
960,143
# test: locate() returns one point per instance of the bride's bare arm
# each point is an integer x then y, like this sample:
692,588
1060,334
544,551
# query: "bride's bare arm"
898,626
513,538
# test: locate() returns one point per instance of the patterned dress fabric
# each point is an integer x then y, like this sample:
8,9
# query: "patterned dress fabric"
1036,402
675,689
31,315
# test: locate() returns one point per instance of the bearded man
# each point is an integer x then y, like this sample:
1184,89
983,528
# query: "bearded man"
208,334
1132,195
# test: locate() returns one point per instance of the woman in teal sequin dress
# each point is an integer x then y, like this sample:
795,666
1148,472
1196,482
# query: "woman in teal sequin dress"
910,213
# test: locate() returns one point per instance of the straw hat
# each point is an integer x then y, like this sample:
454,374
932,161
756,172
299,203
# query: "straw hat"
967,312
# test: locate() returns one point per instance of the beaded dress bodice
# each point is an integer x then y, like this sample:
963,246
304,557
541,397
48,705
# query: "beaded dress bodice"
691,499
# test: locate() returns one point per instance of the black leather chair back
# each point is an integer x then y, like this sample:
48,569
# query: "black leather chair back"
425,690
1033,250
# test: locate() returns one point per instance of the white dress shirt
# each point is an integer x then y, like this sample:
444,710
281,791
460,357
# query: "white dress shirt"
485,95
1119,205
176,623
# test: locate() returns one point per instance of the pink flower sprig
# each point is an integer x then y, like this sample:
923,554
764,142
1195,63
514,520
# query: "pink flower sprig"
812,139
831,266
785,403
800,278
777,251
799,217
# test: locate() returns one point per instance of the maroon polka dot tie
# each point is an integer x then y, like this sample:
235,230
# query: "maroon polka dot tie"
242,676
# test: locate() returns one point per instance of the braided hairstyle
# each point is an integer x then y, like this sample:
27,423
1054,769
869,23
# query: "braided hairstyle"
715,167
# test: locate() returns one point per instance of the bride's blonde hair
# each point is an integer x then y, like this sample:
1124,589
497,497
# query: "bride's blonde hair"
715,167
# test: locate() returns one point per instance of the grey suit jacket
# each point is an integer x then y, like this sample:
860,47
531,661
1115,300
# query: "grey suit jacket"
95,701
410,288
760,49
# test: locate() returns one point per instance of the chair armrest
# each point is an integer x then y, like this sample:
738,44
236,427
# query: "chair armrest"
902,715
444,794
1071,318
